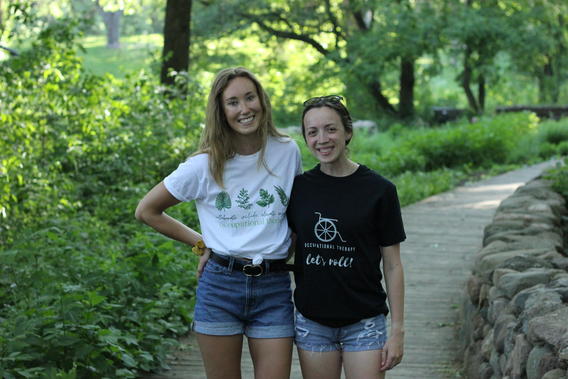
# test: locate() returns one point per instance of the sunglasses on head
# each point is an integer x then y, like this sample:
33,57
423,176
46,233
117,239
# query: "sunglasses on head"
323,99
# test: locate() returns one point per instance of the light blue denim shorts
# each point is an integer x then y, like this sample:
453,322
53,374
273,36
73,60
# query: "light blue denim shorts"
229,302
367,334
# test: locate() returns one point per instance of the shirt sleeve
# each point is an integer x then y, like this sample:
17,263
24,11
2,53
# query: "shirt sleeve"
187,181
389,218
298,159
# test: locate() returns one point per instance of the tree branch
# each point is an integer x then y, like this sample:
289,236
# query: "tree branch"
289,35
375,87
359,16
9,50
334,22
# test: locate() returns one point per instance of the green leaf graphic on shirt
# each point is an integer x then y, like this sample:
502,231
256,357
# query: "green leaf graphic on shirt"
243,200
265,198
223,200
282,195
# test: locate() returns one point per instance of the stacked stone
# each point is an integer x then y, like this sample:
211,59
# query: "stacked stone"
515,314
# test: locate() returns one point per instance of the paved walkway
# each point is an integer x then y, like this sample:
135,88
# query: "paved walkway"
444,233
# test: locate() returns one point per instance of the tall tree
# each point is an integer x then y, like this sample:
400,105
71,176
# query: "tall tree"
111,12
175,54
14,14
1,17
477,32
539,48
368,40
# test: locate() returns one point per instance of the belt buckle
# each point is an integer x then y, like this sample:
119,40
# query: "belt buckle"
253,270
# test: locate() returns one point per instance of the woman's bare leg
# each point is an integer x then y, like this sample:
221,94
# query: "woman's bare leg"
221,355
320,365
363,365
271,357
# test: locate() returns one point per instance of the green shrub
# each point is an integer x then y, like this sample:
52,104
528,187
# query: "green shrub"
90,302
559,178
562,148
87,291
415,186
480,144
526,151
85,142
553,132
547,150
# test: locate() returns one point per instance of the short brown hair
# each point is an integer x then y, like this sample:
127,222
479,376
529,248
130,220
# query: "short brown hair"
333,102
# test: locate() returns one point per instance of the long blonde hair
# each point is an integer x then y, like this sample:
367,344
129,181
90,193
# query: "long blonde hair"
216,137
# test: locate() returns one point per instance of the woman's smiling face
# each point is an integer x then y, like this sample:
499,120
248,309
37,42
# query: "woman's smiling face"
242,106
326,136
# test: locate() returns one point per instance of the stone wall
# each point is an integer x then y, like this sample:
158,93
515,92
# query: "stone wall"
515,312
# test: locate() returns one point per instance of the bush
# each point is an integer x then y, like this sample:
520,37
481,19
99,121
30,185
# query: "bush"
415,186
480,144
90,302
562,148
553,132
559,178
86,290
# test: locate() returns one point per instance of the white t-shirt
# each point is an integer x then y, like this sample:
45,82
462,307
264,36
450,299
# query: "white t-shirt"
248,217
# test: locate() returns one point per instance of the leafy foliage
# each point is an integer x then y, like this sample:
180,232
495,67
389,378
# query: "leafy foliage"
344,35
86,291
479,144
559,178
538,45
90,302
553,132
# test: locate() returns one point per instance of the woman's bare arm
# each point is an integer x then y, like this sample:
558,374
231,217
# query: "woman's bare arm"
394,280
151,211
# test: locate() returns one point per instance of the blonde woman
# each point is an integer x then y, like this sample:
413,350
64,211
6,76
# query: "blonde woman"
240,179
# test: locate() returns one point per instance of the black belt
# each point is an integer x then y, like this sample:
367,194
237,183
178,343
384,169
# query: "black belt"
249,269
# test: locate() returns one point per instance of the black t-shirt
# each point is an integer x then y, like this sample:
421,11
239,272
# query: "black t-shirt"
340,223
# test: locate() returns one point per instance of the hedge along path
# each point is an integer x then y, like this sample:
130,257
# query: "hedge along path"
444,232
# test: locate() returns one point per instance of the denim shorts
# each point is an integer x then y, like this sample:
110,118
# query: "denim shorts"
229,302
366,334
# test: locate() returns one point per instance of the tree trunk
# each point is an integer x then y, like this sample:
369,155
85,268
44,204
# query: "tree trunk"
1,20
112,24
375,88
363,22
481,93
467,74
466,81
546,90
175,54
541,80
406,92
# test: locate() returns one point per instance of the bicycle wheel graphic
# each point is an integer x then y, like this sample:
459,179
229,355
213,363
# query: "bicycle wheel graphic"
325,230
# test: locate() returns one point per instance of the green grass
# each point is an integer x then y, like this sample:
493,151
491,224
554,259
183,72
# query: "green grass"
136,53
